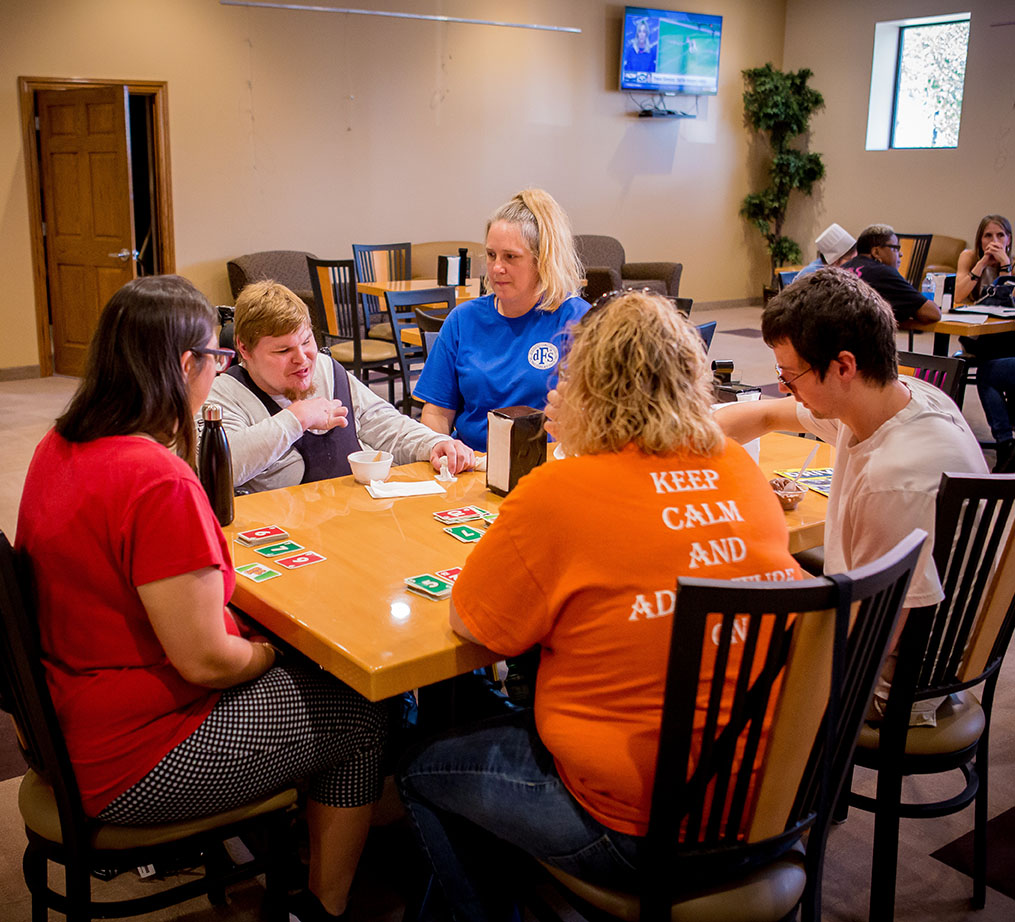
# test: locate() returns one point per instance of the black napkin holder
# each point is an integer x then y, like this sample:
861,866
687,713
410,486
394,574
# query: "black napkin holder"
516,443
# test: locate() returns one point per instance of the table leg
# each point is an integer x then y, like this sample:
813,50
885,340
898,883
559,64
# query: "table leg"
941,344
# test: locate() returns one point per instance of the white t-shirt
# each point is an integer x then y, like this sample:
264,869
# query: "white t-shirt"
886,485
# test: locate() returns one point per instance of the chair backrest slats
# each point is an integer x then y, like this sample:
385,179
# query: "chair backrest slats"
974,552
757,731
337,313
401,306
945,373
381,262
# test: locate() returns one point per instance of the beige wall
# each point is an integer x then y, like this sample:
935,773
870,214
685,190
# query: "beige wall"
314,130
917,191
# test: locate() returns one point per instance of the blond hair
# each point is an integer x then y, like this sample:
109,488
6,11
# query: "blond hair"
267,309
636,372
546,230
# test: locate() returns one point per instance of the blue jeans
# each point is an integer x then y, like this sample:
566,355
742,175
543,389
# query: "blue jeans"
470,791
995,383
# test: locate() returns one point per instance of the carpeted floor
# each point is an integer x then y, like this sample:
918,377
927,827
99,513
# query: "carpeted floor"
11,763
1000,853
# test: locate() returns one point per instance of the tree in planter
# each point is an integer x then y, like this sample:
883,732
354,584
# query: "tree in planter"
781,105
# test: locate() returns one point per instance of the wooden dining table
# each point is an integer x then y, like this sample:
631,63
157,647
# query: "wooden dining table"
352,612
954,325
462,292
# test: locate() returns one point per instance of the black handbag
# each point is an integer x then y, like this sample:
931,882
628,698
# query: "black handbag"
1000,294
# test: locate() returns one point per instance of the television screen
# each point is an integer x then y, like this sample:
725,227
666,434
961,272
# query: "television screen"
666,52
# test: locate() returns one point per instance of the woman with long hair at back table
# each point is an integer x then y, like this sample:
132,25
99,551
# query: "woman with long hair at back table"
979,267
580,561
170,707
502,349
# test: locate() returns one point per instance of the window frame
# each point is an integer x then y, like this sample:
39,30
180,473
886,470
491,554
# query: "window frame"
886,71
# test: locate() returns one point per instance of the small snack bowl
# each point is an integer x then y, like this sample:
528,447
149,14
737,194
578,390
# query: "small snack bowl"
790,494
370,465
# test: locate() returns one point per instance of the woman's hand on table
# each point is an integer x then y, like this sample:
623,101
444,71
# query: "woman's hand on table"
460,456
550,411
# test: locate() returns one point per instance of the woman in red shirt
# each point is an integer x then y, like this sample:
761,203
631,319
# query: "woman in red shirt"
169,708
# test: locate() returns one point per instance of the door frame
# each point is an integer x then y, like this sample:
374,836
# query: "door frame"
27,88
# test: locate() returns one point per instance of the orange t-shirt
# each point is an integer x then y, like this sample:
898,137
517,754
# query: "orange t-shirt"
583,560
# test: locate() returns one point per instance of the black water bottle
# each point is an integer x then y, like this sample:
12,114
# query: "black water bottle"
463,266
215,464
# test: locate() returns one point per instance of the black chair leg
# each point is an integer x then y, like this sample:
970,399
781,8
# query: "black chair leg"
885,857
278,851
79,892
215,865
981,767
33,865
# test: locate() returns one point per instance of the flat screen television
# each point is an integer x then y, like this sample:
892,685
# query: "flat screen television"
669,52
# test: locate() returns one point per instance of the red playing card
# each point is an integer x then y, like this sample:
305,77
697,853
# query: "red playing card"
268,534
302,559
450,575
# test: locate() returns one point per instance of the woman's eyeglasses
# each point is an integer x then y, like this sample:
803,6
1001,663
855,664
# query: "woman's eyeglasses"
223,357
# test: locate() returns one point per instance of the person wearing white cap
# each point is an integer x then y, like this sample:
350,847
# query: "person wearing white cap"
835,247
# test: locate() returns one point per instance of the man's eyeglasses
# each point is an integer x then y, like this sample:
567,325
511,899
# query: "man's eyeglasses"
788,382
223,357
892,246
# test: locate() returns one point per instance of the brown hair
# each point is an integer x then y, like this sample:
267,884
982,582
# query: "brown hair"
267,309
133,381
996,219
546,230
636,372
831,311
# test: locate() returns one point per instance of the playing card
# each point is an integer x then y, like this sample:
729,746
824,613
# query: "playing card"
303,559
450,575
464,533
453,516
277,550
258,572
429,585
268,534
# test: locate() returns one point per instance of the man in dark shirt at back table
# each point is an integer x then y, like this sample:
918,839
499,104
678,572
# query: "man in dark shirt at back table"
877,263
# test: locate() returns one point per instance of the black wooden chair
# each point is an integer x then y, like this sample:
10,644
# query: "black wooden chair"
338,315
913,250
381,262
402,313
58,829
430,323
946,373
946,650
724,837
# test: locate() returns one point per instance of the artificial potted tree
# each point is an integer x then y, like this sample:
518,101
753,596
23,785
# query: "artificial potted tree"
779,106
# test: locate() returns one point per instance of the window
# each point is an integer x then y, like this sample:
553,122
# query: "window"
917,79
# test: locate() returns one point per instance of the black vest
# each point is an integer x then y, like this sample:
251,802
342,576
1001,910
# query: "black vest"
324,455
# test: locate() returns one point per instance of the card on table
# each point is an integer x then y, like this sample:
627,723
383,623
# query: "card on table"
464,533
277,550
462,514
268,534
450,575
303,559
428,585
258,572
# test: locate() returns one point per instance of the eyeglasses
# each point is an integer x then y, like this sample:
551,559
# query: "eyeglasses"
891,246
788,382
223,357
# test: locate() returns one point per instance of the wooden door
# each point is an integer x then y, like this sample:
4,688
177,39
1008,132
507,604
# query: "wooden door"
88,207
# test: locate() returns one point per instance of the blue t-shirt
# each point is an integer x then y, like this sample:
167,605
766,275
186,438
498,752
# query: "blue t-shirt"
483,361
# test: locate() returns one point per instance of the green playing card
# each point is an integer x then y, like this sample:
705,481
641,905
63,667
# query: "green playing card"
464,533
277,550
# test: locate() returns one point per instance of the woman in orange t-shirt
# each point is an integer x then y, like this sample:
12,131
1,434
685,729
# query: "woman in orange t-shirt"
582,562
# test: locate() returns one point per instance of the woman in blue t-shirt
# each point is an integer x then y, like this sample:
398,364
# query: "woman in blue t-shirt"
501,350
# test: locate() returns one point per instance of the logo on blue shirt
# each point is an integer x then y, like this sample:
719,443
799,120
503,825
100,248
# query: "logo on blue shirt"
543,355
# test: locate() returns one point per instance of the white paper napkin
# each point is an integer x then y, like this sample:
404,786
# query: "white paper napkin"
378,489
